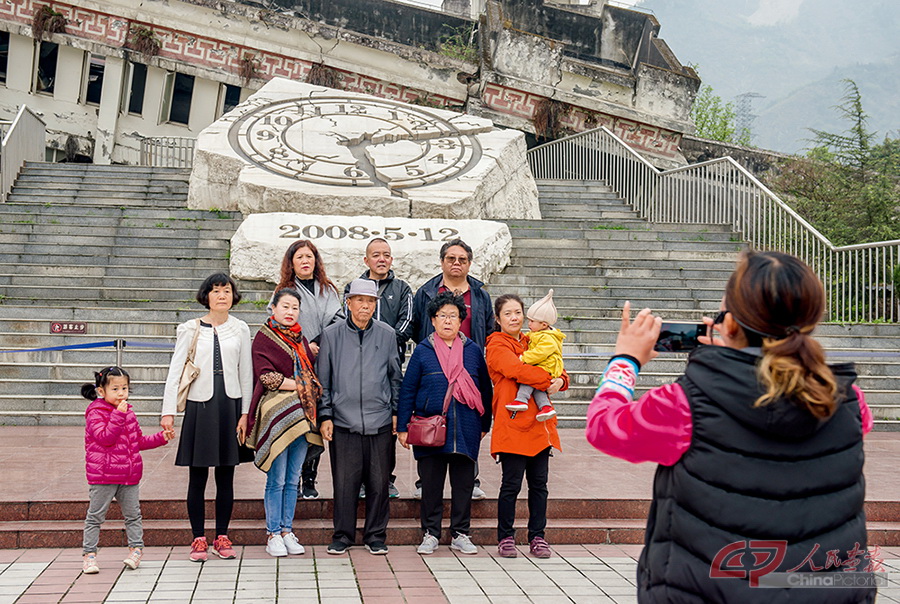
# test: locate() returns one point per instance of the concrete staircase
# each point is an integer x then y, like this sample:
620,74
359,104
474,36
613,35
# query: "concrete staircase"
590,247
114,248
596,253
111,246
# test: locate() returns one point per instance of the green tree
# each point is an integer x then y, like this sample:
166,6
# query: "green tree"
715,119
847,186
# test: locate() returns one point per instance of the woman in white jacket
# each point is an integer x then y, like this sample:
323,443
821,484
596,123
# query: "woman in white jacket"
215,417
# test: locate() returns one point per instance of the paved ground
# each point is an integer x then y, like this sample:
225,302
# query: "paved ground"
595,574
56,454
590,574
601,574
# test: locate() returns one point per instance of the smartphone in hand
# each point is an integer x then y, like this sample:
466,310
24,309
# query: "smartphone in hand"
678,336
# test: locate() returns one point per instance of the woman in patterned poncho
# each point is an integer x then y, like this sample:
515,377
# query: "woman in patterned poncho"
282,414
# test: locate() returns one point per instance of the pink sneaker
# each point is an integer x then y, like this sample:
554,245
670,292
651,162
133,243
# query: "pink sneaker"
198,549
222,547
134,558
507,548
539,548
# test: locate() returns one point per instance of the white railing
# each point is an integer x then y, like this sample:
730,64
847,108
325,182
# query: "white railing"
168,151
858,279
25,139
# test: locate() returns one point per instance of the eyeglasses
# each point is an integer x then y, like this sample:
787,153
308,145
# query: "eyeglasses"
445,317
720,318
456,259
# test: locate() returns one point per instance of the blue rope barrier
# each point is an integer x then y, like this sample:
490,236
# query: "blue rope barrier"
133,344
70,347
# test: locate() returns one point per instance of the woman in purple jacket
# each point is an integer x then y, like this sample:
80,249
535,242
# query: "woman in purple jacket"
113,442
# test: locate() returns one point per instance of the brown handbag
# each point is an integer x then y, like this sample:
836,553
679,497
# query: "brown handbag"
430,431
189,373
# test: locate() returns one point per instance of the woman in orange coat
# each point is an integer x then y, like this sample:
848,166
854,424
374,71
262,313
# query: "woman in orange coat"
520,441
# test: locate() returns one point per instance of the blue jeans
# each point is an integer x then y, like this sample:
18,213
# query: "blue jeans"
281,487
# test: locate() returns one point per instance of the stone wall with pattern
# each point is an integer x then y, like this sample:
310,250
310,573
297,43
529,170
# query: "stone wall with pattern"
239,44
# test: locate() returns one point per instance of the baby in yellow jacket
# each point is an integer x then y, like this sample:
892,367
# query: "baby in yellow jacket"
544,351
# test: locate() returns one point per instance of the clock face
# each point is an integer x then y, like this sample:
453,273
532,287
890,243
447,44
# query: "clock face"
356,141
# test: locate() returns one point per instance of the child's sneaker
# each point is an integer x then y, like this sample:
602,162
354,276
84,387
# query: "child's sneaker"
545,413
516,406
134,558
539,548
89,566
507,548
222,547
198,549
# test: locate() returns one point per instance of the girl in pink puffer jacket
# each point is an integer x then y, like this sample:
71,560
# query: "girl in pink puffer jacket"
113,442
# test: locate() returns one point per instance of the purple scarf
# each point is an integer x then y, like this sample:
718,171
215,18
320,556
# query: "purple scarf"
461,384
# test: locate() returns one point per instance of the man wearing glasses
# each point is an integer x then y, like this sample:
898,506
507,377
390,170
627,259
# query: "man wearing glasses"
456,259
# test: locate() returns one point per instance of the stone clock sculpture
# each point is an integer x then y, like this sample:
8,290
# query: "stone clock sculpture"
301,148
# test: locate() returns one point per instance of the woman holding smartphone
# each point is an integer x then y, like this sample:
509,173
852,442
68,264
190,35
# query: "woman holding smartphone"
759,442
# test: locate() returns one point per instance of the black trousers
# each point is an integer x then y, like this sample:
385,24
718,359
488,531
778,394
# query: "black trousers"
536,469
196,498
477,482
433,470
310,470
358,459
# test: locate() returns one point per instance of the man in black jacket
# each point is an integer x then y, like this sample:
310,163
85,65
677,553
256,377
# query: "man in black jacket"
394,307
395,303
456,259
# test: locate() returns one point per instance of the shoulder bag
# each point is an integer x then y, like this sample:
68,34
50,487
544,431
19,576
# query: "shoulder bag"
430,431
189,373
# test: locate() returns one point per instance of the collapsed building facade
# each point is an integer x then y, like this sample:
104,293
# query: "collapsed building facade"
106,74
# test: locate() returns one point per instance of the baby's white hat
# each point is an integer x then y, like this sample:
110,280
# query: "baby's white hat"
543,310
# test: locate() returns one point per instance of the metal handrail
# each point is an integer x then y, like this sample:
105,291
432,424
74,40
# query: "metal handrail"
24,140
168,151
858,279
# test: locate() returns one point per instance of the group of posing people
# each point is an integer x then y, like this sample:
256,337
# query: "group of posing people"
759,443
325,369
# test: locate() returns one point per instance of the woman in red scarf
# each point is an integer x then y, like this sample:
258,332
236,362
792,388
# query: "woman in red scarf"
447,363
282,413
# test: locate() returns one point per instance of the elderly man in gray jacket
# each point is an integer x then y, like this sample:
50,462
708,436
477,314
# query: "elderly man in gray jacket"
359,368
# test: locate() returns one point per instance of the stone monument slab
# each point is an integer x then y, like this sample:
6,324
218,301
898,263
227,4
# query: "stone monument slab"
297,147
259,244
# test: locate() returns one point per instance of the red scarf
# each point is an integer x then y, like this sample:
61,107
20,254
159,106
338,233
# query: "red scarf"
308,388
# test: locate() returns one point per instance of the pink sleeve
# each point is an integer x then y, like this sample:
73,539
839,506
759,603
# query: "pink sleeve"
656,428
151,441
868,422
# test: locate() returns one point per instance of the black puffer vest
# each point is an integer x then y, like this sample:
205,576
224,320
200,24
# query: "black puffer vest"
765,473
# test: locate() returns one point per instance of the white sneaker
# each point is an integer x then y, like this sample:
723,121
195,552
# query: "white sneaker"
429,544
477,493
292,545
275,546
463,544
418,493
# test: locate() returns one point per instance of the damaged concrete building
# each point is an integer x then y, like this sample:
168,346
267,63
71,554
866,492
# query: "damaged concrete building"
106,74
